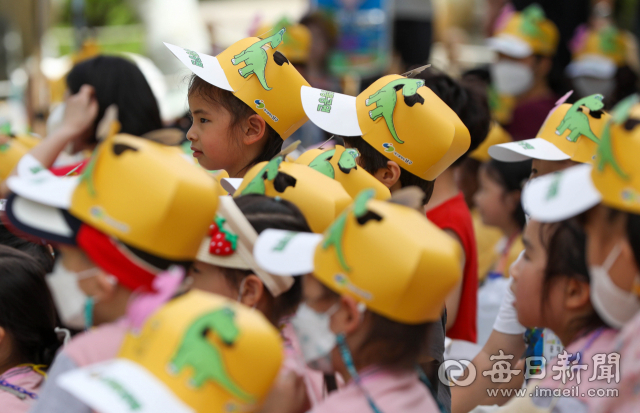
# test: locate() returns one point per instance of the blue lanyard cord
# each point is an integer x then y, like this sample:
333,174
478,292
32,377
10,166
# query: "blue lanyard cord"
4,383
424,379
348,362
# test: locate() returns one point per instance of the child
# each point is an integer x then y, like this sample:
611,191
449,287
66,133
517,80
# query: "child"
197,353
525,43
28,341
113,247
358,320
244,103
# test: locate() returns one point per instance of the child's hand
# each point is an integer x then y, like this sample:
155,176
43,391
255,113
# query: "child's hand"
288,395
80,113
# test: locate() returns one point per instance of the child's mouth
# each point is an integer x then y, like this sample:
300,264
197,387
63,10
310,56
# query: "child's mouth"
196,152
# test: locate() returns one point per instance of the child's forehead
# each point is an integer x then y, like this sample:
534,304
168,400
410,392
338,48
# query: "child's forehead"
198,103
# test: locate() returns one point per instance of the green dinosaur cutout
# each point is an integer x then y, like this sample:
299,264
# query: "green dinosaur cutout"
197,351
268,172
578,122
256,58
619,115
346,163
386,100
532,16
87,176
335,233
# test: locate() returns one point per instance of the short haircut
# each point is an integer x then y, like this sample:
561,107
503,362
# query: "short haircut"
372,160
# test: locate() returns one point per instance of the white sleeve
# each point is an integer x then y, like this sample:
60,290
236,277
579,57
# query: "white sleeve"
507,319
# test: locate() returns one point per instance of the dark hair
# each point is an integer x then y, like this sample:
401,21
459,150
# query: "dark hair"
118,81
471,107
239,111
565,244
626,81
372,160
633,230
511,176
38,252
27,311
263,213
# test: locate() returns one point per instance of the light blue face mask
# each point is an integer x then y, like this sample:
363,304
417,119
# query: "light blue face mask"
88,312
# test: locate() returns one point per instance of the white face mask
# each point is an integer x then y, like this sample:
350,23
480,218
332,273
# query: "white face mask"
615,305
315,336
511,78
587,86
73,305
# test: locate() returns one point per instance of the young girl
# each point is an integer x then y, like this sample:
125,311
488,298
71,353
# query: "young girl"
28,341
244,103
358,320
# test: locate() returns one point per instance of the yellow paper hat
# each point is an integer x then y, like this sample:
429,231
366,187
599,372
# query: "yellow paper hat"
385,255
597,53
146,195
340,164
10,153
614,179
296,43
258,75
571,131
496,136
199,353
398,116
525,33
319,198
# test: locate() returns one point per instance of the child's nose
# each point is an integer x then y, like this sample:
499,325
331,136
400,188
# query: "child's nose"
191,135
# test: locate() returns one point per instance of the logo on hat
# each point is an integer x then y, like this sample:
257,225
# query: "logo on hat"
526,145
577,121
260,105
255,58
389,148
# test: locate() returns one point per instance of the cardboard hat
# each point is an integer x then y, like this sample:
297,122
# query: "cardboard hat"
385,255
258,75
229,244
524,33
570,132
296,43
10,153
597,53
319,198
199,353
140,193
340,164
496,136
614,179
400,117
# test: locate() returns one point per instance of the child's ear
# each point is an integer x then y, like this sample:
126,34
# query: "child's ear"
253,129
576,294
348,318
252,290
389,175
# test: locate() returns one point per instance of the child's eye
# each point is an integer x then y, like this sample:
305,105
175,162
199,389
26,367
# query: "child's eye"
203,120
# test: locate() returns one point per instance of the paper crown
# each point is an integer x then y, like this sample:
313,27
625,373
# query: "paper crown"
571,131
387,256
229,244
597,53
296,43
258,75
525,33
143,194
496,136
340,164
10,153
400,117
198,353
319,198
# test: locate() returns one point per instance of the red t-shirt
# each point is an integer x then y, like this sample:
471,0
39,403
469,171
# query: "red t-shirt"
455,216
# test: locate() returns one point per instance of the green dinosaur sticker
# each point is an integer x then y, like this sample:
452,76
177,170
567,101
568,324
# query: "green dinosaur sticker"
326,100
87,176
386,100
532,16
335,233
526,145
346,163
197,351
195,58
255,58
605,156
577,121
268,172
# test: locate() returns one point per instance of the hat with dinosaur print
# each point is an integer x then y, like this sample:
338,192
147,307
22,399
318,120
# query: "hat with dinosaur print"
597,53
10,153
521,34
571,131
257,74
368,254
319,198
400,117
198,353
340,164
614,178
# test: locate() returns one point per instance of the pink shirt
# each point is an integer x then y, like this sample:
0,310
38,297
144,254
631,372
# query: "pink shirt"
25,378
96,345
391,391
